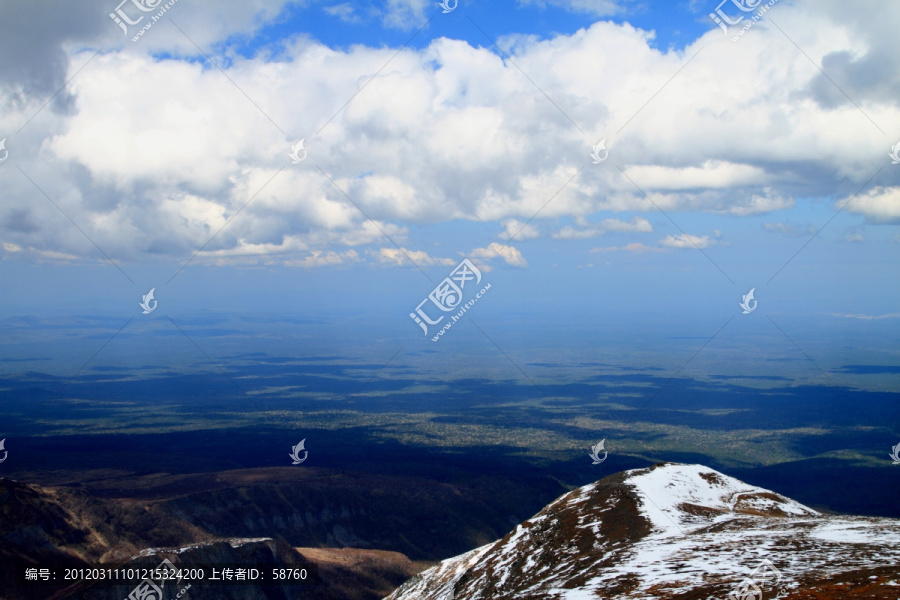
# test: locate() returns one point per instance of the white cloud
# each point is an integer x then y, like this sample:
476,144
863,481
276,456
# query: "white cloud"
518,230
586,230
510,254
403,256
711,174
879,205
685,240
324,259
345,12
156,153
368,232
405,14
637,224
759,204
288,245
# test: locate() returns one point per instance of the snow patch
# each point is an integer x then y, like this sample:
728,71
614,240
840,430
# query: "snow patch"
664,489
233,542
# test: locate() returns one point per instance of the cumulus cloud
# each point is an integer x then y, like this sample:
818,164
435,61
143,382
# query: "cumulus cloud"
516,229
345,12
878,205
685,240
324,259
405,14
155,151
42,37
20,220
510,254
406,257
585,229
759,204
711,174
243,248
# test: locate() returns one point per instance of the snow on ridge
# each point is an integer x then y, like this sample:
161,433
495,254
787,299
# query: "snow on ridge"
233,542
850,530
664,488
448,572
684,552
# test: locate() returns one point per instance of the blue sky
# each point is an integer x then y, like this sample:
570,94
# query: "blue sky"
674,24
728,161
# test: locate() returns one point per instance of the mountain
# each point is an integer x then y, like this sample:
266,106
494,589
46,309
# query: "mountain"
674,531
345,573
255,552
41,526
354,574
368,532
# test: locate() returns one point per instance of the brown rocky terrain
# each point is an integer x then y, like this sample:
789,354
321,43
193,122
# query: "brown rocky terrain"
112,519
674,532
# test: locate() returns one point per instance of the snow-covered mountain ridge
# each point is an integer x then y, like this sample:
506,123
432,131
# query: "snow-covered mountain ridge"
674,531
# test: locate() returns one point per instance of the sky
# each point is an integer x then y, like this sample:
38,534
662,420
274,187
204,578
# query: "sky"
593,160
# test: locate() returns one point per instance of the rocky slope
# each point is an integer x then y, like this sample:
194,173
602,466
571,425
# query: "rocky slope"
255,552
307,507
674,531
354,574
345,573
114,520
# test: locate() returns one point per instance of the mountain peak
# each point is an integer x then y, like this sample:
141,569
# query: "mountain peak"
663,532
677,498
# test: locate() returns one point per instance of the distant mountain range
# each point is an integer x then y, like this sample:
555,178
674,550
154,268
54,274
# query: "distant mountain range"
674,532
